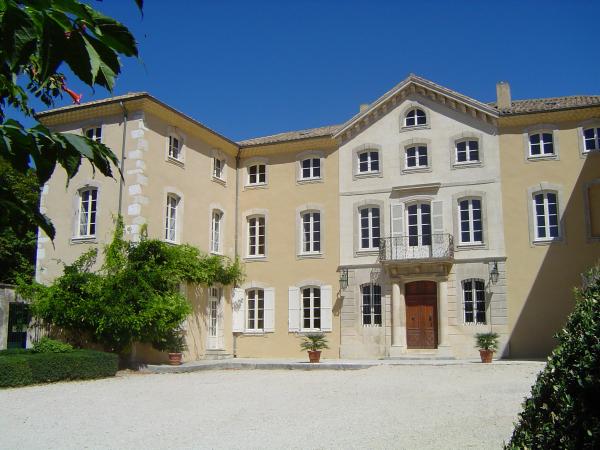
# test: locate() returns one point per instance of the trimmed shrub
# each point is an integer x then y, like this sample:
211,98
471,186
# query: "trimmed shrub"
563,410
30,368
47,345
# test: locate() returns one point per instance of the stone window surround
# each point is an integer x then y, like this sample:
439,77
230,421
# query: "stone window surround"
587,210
218,154
415,142
309,207
464,195
356,207
590,123
544,186
76,203
212,208
360,304
255,212
175,132
538,129
167,191
301,299
360,149
246,287
466,136
300,157
461,304
410,105
253,162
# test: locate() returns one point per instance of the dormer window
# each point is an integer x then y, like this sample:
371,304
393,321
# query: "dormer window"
415,117
174,148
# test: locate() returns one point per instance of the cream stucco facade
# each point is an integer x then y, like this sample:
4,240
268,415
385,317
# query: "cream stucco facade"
423,201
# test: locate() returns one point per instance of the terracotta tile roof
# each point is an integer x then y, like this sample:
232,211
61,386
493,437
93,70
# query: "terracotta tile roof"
291,136
128,96
534,105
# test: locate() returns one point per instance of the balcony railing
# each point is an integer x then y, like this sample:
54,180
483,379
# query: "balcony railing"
413,248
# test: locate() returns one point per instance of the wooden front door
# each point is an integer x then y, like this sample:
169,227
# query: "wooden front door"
421,314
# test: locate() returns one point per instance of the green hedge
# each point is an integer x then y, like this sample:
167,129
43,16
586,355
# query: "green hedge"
21,369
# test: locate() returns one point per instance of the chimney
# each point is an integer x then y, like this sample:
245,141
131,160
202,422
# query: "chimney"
364,107
503,95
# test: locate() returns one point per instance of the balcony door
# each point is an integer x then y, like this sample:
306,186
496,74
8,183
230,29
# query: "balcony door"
214,339
418,219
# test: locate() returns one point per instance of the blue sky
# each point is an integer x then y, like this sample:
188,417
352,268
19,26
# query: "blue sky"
252,68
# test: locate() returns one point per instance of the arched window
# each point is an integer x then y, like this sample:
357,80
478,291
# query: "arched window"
415,117
311,308
88,199
371,304
171,217
474,301
545,215
255,309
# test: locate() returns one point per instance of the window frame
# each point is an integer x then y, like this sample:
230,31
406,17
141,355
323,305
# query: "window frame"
417,147
218,233
249,183
541,130
89,221
312,309
257,235
475,310
471,221
180,159
546,215
218,168
370,171
596,128
256,310
169,218
311,168
96,133
312,241
370,228
414,108
468,161
371,305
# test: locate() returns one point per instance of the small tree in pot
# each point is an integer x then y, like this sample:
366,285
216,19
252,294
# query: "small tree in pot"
174,343
487,344
314,343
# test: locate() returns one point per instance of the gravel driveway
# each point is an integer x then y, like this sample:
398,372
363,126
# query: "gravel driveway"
411,406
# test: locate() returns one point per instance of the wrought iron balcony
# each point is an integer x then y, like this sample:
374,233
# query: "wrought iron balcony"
426,247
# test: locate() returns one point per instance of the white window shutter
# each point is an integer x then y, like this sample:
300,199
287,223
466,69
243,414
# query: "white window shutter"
237,304
397,220
269,310
326,308
437,217
294,308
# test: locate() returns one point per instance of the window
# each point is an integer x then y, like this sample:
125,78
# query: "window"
591,138
218,166
255,299
257,174
545,210
311,169
415,117
369,221
416,157
215,232
95,134
471,229
371,304
256,236
541,144
174,148
311,232
171,218
474,301
419,224
311,308
368,162
467,151
88,199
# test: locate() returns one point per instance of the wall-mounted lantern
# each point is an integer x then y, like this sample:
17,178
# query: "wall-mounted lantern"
343,279
494,274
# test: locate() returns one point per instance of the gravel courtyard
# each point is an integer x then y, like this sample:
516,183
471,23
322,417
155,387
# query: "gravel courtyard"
409,406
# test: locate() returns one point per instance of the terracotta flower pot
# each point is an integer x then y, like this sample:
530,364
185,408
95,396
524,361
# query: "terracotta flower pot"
486,355
314,356
175,359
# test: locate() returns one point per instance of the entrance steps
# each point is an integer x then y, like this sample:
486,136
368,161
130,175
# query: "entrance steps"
216,354
439,354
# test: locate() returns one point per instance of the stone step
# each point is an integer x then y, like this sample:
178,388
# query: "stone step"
217,354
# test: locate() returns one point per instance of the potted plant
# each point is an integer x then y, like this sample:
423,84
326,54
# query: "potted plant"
314,343
487,344
173,343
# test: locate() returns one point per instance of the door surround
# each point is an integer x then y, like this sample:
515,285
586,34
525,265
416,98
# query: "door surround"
422,324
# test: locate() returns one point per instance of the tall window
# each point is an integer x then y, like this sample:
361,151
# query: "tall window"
419,224
218,165
171,218
256,309
467,151
94,134
545,207
369,228
311,169
541,144
257,174
215,241
368,162
256,236
416,157
415,117
311,232
87,212
371,304
311,308
174,148
474,301
471,229
591,137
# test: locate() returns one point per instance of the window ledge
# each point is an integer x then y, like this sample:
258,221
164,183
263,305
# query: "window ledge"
219,180
84,240
368,174
309,180
417,170
256,186
546,241
255,258
415,127
175,162
467,165
309,255
542,157
166,241
369,252
255,332
475,246
216,253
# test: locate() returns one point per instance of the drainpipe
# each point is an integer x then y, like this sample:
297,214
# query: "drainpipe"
236,227
122,165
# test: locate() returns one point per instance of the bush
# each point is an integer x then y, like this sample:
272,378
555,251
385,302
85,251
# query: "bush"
563,410
30,368
47,345
313,342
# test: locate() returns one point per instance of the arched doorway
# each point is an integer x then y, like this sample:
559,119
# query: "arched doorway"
421,314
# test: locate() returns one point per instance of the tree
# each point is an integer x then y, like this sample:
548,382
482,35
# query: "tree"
563,410
134,297
18,232
37,39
